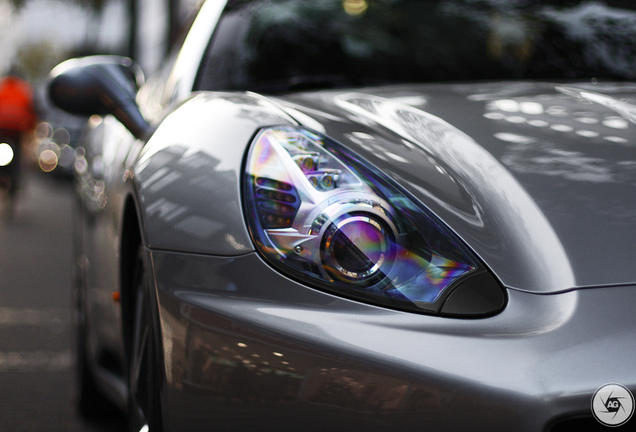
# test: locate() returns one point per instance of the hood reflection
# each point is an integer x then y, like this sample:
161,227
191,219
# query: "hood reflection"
511,214
538,180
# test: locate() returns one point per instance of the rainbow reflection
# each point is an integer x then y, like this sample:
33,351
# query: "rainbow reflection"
322,215
424,281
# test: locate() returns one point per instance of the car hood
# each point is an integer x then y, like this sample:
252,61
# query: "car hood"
538,179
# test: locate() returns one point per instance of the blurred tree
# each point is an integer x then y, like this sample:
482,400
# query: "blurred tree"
97,5
174,22
37,59
17,3
96,9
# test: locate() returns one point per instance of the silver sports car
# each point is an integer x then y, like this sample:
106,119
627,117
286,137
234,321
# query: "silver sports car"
369,215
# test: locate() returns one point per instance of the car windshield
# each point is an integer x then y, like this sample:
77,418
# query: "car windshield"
282,45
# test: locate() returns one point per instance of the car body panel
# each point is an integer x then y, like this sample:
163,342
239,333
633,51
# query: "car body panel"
279,354
537,179
516,189
208,213
523,356
523,221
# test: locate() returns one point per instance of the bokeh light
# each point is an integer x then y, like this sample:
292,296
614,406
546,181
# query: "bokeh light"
6,154
48,160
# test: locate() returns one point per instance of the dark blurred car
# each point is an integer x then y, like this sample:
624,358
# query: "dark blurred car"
363,215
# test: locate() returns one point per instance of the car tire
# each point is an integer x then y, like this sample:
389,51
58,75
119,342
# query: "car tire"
143,365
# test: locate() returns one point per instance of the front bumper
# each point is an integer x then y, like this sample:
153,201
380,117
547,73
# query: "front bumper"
245,347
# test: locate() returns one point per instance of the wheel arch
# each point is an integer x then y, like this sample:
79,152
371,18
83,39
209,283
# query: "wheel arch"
132,250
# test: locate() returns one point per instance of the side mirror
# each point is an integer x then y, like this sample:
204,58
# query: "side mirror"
100,85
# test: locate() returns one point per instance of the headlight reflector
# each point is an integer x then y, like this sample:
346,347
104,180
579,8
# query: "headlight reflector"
324,216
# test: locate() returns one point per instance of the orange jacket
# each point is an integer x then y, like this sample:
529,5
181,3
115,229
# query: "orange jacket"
16,105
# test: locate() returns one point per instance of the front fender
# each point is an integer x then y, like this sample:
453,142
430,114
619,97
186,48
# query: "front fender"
188,175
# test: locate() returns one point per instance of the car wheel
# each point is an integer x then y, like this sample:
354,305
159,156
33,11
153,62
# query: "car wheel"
143,370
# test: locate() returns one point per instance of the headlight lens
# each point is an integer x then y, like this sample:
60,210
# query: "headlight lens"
322,215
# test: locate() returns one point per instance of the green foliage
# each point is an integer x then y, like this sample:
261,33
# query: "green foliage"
37,59
17,3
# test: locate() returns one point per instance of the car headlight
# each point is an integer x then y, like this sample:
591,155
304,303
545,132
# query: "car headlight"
322,215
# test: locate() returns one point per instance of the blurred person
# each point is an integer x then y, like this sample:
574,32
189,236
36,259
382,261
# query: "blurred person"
17,119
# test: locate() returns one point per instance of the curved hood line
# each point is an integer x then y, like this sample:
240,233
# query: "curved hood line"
626,110
542,249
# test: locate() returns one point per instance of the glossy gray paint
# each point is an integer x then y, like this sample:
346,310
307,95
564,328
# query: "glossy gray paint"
353,365
539,182
541,358
229,321
246,348
276,354
189,174
525,193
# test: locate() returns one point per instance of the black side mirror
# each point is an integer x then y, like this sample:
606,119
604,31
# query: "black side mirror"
100,85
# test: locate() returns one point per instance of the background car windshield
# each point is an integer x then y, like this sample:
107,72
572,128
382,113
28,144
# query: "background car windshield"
294,44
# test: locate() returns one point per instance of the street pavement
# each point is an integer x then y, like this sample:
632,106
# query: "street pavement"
37,379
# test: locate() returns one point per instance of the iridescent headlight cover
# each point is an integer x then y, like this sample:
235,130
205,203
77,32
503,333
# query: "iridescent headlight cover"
324,216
